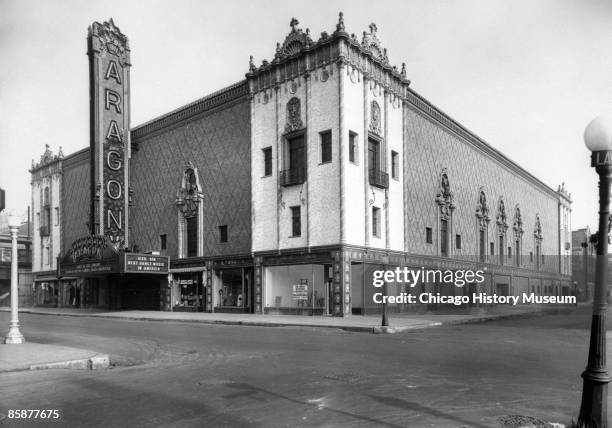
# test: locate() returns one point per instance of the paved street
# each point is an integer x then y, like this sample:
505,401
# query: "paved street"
181,374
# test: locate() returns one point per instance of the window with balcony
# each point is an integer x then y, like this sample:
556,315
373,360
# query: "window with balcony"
295,162
296,221
267,161
378,177
326,146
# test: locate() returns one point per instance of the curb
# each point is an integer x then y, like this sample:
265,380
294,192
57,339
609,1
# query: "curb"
354,328
97,362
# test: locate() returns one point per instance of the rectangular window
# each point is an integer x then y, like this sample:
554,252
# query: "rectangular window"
538,256
482,246
444,237
162,242
192,237
458,242
223,233
501,250
267,161
428,235
376,222
296,221
492,249
326,146
531,256
394,165
353,150
509,252
57,216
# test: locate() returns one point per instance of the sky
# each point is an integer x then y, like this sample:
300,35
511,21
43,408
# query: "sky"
526,76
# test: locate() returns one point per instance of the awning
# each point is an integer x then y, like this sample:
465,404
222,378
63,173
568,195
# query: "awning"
188,269
45,278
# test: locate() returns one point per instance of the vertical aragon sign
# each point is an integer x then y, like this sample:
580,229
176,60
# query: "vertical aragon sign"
109,98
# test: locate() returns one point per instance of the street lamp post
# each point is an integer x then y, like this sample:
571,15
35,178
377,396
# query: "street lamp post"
14,336
593,409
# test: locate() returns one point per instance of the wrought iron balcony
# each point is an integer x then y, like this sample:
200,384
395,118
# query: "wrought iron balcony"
379,178
292,176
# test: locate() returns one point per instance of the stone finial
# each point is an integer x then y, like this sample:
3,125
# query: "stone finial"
60,154
294,25
251,64
340,24
403,72
373,28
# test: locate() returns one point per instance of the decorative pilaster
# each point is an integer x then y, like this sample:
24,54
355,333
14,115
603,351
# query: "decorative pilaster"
341,141
366,171
338,286
258,285
208,273
386,164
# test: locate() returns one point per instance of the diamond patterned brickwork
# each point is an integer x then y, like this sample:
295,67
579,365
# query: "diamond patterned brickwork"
218,144
75,200
432,147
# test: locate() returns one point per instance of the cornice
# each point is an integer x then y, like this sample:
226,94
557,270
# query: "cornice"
216,99
425,107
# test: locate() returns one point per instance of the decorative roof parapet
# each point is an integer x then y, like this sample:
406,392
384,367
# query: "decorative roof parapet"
47,158
564,193
365,56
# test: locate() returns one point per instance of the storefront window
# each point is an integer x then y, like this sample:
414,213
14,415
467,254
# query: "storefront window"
191,292
298,289
234,289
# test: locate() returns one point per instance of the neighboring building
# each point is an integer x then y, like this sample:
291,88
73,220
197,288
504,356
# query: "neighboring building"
285,191
24,265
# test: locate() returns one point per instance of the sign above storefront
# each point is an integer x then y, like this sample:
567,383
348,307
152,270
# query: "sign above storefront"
145,263
97,255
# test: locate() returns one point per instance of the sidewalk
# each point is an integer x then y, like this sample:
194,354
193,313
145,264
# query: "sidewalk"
36,356
356,323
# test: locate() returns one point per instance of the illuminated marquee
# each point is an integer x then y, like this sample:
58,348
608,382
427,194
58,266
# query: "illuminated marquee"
109,64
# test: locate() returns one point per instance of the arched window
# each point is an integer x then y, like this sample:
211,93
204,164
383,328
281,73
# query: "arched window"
483,218
446,204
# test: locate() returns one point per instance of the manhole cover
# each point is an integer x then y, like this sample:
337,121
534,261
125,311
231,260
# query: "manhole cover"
518,421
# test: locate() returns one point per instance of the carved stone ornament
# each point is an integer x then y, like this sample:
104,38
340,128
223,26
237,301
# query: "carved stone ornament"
295,42
501,218
371,43
111,40
482,209
294,119
444,197
517,225
375,118
188,195
537,229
